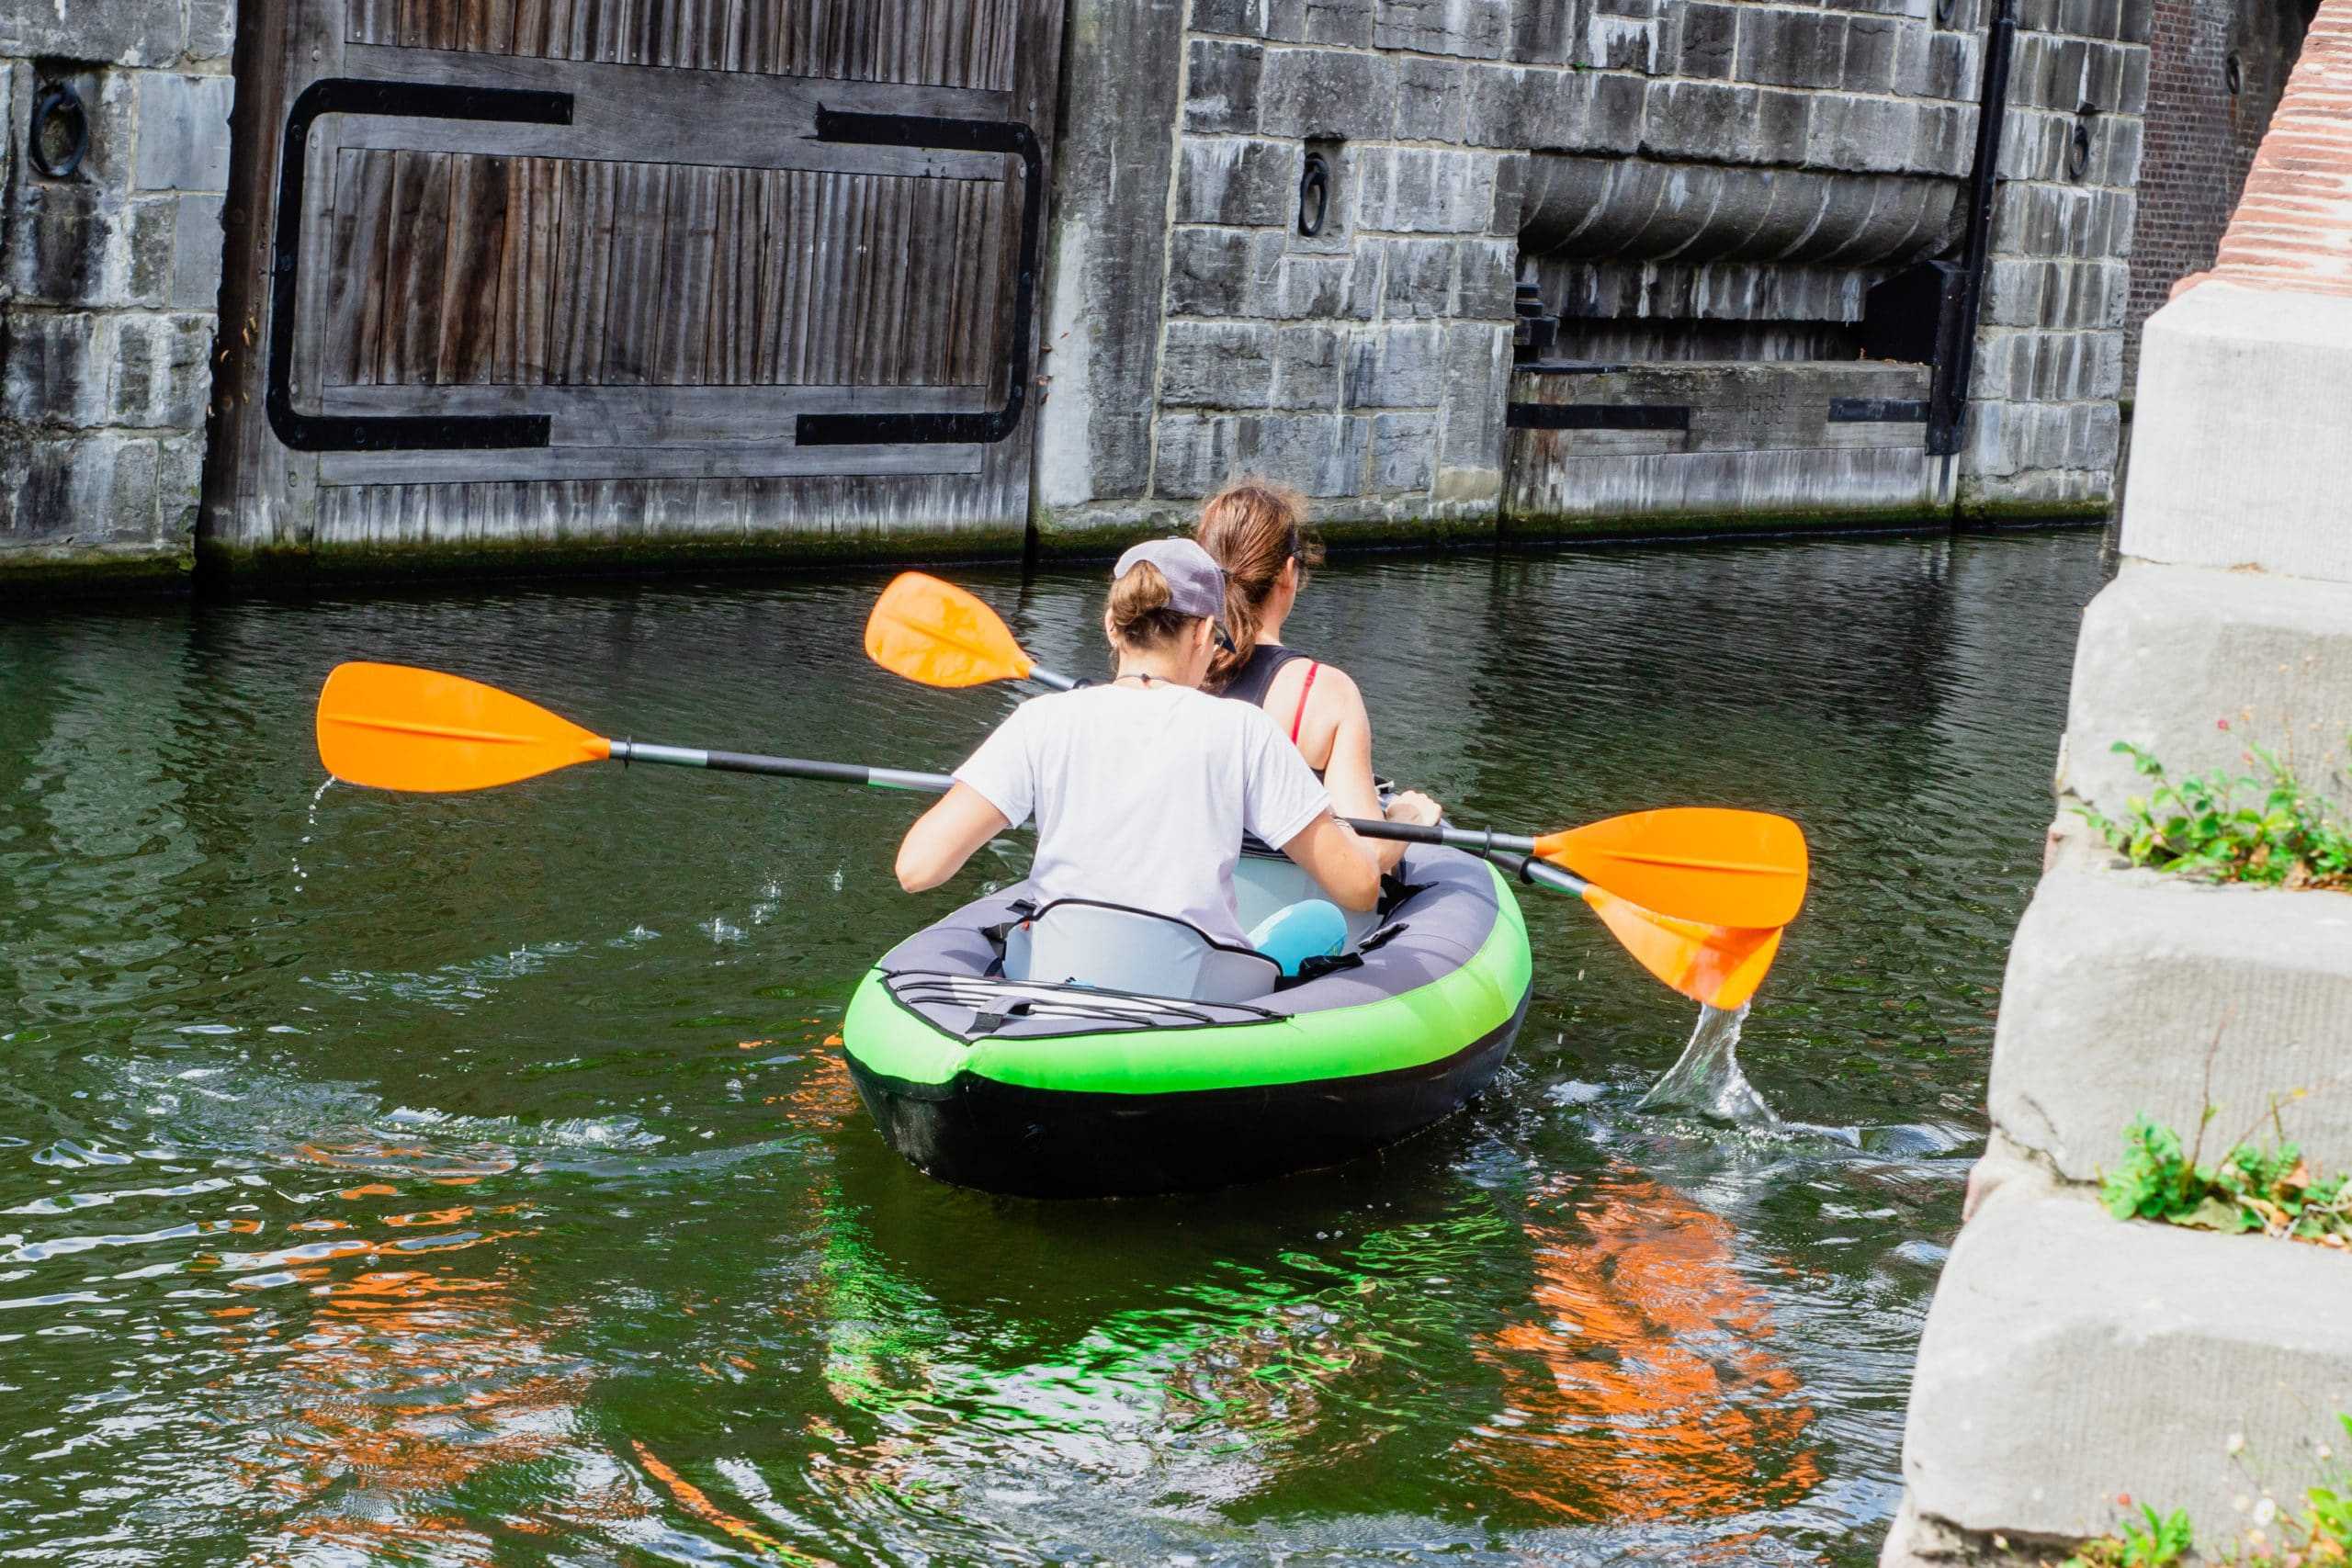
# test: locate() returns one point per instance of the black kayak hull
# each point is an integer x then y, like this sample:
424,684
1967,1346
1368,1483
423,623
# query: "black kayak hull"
976,1132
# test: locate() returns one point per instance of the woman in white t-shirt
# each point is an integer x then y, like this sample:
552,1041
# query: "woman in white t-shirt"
1143,786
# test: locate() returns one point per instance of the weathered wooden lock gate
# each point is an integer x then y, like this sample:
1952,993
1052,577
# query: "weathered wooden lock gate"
566,278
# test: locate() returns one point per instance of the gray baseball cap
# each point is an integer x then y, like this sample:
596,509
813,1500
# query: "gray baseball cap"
1195,582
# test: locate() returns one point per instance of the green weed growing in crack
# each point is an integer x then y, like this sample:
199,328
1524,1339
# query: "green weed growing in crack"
2271,1189
2158,1542
2271,831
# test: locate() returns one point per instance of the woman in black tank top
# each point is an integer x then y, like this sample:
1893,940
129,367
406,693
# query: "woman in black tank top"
1255,531
1251,682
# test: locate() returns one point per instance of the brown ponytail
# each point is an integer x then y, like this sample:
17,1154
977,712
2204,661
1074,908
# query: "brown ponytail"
1140,614
1252,527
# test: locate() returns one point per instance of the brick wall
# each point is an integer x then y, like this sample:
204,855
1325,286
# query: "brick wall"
110,282
2201,136
2292,229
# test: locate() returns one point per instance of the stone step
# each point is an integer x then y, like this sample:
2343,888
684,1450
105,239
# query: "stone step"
2071,1358
2196,665
2227,373
2119,985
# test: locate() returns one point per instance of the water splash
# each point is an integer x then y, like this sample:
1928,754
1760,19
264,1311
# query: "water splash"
311,821
1706,1081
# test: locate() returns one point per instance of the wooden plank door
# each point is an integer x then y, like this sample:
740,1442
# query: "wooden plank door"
580,276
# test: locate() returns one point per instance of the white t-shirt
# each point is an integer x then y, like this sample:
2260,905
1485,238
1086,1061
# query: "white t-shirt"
1142,795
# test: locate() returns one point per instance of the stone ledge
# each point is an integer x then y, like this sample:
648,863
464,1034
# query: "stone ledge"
45,571
2119,983
1100,530
2240,457
1915,1540
2195,665
2070,1358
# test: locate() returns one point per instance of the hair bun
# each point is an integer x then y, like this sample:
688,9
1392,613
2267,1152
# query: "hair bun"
1141,612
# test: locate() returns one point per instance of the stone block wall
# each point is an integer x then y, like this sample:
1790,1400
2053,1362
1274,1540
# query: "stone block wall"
1369,364
2044,426
1366,362
109,285
1750,168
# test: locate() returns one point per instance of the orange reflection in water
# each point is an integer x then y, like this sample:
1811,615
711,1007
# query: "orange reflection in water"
1642,1386
408,1369
696,1501
401,1387
823,1096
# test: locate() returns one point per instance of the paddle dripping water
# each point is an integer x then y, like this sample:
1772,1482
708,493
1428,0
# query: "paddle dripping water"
1706,1080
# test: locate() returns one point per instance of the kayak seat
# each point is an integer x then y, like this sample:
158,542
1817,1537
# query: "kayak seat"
1113,948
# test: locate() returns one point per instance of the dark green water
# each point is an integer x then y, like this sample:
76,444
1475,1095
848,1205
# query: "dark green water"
468,1179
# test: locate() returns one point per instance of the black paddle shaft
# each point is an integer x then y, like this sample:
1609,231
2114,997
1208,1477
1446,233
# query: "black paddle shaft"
624,751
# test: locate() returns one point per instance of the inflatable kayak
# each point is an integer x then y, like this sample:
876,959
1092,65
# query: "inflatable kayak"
1084,1050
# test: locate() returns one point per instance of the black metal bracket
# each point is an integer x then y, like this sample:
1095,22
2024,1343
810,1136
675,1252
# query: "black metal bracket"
1956,357
389,432
1878,411
1573,368
1598,416
963,136
1928,313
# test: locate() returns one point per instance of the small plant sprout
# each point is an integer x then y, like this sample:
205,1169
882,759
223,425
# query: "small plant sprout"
2320,1536
2152,1540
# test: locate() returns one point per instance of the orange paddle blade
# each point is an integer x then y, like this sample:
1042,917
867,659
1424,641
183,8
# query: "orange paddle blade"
936,633
1720,966
391,727
1700,863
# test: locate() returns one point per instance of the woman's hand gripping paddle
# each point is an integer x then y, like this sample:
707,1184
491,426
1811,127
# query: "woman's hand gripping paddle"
1697,894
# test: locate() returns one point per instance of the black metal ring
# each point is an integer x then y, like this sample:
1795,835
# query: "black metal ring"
59,100
1315,183
2233,74
2078,149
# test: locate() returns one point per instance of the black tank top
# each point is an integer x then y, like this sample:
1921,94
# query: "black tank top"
1256,677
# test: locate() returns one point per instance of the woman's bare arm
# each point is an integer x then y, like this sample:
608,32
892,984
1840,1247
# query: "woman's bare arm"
1340,863
946,836
1348,775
